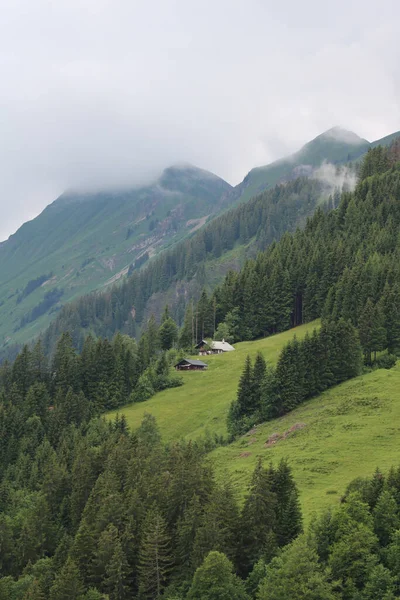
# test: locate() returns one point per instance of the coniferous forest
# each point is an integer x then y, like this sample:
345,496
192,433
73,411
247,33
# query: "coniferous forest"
91,510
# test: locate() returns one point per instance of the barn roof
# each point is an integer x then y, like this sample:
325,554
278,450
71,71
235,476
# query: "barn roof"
195,363
222,346
202,343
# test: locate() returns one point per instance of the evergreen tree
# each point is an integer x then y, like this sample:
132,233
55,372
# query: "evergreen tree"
117,570
386,517
372,332
218,530
380,584
154,556
296,573
215,580
67,585
288,511
168,334
258,521
259,374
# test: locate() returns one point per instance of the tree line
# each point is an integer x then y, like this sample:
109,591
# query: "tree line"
105,375
91,511
349,553
305,368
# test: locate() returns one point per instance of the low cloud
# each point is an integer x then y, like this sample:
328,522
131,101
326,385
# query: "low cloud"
98,93
336,178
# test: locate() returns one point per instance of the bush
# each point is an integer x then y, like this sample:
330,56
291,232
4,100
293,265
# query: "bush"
386,361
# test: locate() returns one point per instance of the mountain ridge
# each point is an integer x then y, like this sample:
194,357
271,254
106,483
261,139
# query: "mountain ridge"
88,240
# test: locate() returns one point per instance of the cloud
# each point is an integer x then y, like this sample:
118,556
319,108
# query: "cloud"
109,92
335,177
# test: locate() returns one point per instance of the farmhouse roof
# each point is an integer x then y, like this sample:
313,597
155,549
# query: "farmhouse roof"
195,363
202,343
222,346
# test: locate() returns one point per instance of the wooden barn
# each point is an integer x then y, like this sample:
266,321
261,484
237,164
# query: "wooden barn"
187,364
203,347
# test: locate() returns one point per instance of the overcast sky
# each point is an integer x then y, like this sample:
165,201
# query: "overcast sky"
96,93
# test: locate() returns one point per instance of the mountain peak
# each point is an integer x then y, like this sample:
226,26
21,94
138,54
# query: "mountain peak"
341,135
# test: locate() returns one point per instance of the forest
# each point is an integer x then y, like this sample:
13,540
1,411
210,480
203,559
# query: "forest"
90,510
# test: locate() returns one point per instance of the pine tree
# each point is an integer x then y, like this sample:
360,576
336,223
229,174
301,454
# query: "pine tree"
244,405
117,570
259,373
296,574
215,580
390,306
67,585
154,556
386,517
186,338
288,511
258,521
186,532
168,334
348,351
218,530
372,332
245,395
380,584
65,370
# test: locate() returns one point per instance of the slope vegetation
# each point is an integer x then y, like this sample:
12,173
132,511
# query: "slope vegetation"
336,146
344,433
201,405
85,241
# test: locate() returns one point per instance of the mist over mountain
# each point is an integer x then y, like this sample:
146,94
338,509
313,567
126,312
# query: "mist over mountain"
90,240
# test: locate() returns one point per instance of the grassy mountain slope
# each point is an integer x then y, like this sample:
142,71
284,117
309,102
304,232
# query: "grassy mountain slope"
336,146
345,432
81,242
202,403
348,431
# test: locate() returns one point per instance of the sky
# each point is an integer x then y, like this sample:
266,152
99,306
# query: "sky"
106,93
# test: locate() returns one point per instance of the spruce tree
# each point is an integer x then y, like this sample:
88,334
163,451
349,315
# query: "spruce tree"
116,582
68,584
168,333
215,580
288,511
259,373
296,574
258,521
390,305
154,556
218,530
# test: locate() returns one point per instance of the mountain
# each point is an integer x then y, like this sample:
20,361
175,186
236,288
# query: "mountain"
337,146
86,242
91,508
81,242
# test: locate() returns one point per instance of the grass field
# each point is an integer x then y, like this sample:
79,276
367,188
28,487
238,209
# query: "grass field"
347,432
202,403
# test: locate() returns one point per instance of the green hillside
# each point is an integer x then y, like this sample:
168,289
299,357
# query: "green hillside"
85,241
347,432
336,146
201,404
